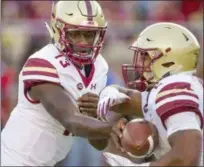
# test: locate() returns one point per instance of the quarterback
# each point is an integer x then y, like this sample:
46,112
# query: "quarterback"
164,88
56,85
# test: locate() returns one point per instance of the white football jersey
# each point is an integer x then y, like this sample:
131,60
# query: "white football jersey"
32,135
173,95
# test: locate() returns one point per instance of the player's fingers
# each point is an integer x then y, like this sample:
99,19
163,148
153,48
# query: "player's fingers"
84,109
121,123
88,105
89,111
115,140
107,105
99,110
90,94
103,112
117,130
89,114
103,107
111,102
88,99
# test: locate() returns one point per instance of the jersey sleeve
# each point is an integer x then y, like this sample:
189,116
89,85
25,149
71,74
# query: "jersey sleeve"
38,71
182,121
177,97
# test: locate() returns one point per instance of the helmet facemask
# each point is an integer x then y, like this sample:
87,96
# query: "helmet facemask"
161,50
139,75
79,53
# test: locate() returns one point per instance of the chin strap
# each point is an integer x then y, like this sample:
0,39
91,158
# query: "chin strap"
49,30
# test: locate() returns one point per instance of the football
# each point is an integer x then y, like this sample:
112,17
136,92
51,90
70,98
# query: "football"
139,138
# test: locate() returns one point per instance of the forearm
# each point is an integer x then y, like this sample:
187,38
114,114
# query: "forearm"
168,159
131,107
102,144
124,90
76,123
88,127
63,107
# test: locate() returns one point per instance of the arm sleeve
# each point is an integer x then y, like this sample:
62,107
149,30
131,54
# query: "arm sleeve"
177,97
182,121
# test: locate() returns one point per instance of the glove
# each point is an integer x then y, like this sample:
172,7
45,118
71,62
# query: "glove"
109,97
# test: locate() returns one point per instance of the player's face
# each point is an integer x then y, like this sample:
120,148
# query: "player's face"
142,60
81,38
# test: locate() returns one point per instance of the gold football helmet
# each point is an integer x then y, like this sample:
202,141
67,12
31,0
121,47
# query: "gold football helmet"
81,15
162,49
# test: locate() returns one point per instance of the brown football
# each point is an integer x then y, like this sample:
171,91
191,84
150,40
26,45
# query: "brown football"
139,138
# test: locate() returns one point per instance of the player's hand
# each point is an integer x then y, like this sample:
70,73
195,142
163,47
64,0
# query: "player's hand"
88,104
116,133
116,160
109,97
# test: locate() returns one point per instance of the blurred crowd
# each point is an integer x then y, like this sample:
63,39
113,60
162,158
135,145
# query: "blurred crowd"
23,32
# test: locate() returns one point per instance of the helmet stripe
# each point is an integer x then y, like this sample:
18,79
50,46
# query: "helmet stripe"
89,10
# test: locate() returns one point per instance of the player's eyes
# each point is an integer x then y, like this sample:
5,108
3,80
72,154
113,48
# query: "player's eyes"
78,34
73,34
90,34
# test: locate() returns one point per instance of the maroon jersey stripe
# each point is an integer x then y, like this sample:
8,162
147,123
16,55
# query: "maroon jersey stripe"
175,104
176,85
36,62
26,73
176,94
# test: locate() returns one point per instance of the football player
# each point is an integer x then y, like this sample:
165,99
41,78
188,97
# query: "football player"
165,90
57,84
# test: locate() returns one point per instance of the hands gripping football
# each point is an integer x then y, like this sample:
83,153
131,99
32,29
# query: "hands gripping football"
140,130
137,138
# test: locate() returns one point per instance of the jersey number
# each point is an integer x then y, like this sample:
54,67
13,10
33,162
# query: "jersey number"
64,63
